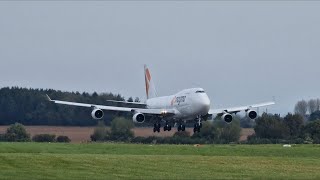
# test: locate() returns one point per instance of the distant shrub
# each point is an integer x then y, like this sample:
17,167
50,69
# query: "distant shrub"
44,138
169,140
63,139
182,134
316,140
16,133
150,140
258,141
2,138
121,130
138,140
299,141
181,140
100,133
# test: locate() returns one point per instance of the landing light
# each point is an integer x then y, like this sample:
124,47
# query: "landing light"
164,112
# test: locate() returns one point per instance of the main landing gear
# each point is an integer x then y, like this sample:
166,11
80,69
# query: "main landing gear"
156,127
167,127
181,127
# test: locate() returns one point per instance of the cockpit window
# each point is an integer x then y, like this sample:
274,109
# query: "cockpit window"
199,91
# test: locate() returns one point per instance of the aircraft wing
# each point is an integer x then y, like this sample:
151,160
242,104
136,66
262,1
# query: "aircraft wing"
239,109
162,112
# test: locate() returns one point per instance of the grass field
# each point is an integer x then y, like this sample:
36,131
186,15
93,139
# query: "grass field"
129,161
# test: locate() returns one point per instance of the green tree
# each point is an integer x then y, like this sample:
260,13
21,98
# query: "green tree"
121,129
246,122
313,129
137,100
17,133
315,116
207,132
295,124
130,99
226,133
100,133
271,127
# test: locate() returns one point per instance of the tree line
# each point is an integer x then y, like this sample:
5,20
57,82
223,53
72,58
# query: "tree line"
17,133
293,128
212,132
269,129
31,107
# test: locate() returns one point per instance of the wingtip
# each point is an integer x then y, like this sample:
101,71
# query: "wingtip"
48,97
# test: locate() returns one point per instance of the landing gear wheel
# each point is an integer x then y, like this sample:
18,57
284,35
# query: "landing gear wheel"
167,127
156,128
183,128
196,128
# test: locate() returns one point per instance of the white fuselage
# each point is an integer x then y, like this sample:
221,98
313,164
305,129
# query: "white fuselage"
188,104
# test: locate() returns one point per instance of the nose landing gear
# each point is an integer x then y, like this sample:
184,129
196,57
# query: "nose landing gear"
197,125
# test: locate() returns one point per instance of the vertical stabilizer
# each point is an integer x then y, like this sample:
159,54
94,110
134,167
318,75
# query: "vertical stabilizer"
150,88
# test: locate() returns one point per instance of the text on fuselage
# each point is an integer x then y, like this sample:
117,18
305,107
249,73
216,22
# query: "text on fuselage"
180,99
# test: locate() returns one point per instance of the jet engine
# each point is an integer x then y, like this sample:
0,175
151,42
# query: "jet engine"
138,118
97,114
252,114
227,117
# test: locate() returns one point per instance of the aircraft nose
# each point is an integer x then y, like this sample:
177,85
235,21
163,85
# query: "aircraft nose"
205,103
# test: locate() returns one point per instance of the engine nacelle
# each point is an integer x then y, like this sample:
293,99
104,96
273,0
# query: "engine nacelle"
227,117
252,114
138,118
97,114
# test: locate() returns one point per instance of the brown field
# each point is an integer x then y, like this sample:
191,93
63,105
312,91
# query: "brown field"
82,134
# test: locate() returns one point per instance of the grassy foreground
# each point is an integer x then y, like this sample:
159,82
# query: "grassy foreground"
129,161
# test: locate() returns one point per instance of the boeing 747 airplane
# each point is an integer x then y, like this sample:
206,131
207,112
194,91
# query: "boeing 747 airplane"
187,105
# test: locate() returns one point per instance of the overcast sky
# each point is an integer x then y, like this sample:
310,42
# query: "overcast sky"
239,52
